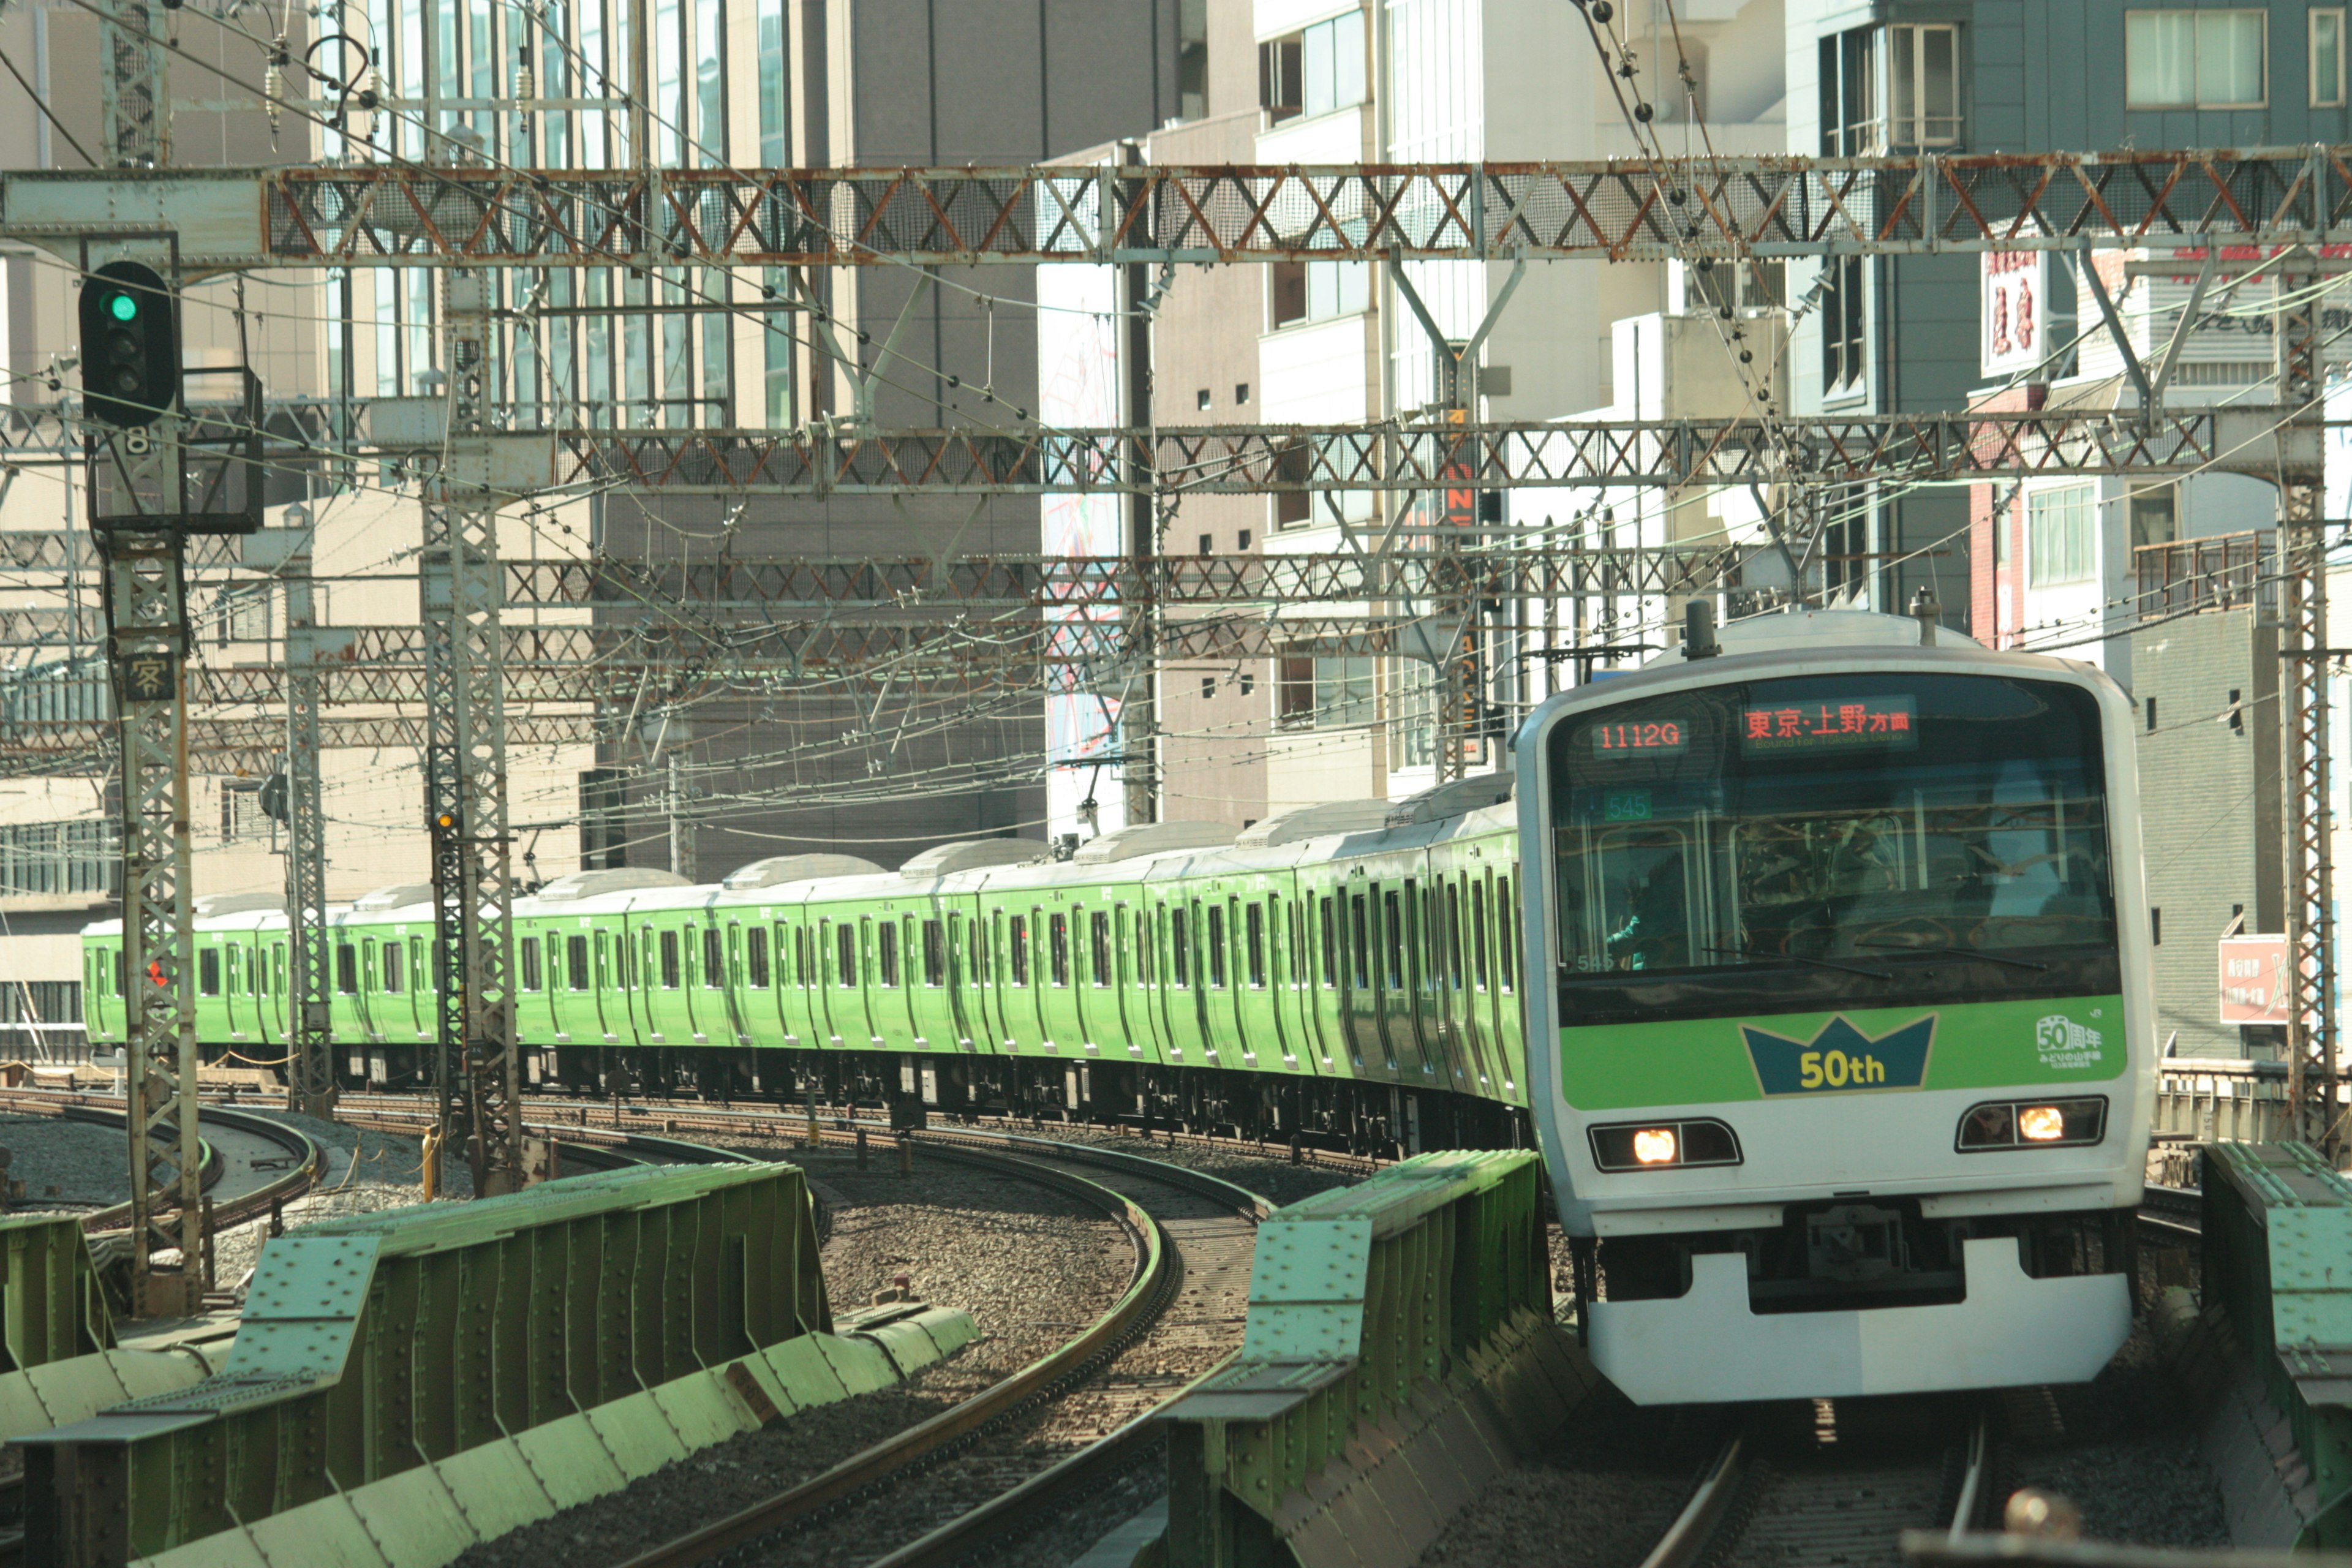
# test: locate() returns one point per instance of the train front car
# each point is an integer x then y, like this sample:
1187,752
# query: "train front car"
1849,1025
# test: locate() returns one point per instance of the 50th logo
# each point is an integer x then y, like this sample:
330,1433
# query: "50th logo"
1840,1057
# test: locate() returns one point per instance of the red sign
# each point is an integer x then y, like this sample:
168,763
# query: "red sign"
2257,985
1847,722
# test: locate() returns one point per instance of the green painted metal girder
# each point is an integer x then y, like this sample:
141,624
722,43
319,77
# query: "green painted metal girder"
2276,1243
377,1344
1415,1304
50,1292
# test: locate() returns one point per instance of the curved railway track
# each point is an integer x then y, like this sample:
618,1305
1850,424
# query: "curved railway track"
1842,1492
263,1163
1009,1457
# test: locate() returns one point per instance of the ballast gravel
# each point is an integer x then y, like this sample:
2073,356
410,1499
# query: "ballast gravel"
66,1164
366,1171
1033,1267
2127,1455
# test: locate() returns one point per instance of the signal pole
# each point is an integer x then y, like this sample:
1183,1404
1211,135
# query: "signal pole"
138,514
311,1082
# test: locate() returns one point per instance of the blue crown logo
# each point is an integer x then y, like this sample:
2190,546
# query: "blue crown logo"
1840,1058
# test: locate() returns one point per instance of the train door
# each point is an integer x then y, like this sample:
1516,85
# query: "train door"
963,976
929,1008
796,998
1440,1033
1234,1015
995,997
608,1007
1127,1001
872,948
1278,989
1088,979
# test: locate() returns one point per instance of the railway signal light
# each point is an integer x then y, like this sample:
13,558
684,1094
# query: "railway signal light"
129,345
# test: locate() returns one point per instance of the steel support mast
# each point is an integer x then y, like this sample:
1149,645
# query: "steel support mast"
466,765
310,1035
147,637
2312,1061
134,81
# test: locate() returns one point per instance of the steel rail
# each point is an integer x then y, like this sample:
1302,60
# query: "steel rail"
1153,1282
310,1158
1695,1534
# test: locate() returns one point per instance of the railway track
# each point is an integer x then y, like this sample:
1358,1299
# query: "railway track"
1840,1491
1009,1458
261,1163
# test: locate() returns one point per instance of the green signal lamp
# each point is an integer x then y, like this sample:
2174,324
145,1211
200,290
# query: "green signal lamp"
122,307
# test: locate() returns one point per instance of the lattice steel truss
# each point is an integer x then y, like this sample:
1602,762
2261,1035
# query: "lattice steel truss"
2311,877
310,1075
465,767
147,638
1762,204
133,79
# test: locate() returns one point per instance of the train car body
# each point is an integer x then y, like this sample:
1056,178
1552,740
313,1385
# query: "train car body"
1355,987
1843,1033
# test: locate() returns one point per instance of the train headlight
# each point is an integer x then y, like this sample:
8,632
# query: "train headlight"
1662,1145
2032,1124
1655,1145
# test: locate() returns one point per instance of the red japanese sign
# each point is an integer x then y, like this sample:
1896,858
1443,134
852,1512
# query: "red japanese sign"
2256,986
1845,723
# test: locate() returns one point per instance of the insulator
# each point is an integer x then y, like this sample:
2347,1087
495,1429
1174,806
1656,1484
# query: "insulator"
526,85
273,93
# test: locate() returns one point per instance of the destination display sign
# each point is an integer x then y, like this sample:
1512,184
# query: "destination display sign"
1839,724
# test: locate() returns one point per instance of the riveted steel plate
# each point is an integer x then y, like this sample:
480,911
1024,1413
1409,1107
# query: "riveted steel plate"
1322,1332
312,1277
1310,1260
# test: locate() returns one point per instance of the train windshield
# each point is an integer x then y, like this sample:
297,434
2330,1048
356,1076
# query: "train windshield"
1837,831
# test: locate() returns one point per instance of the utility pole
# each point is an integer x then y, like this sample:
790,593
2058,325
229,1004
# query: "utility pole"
465,764
681,819
2303,570
1139,712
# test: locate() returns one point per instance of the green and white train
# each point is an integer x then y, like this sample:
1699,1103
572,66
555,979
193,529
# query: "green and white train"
1834,946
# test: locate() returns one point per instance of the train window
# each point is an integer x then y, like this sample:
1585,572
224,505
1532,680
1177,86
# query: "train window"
628,977
800,953
575,962
1020,950
935,953
347,969
1454,935
669,963
1254,919
420,972
603,970
1331,943
1393,921
844,953
1100,949
1059,947
1360,946
1216,947
755,957
885,954
122,958
208,971
1146,948
392,969
1180,947
1506,932
1479,932
714,958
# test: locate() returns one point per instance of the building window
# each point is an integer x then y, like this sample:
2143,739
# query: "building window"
1845,343
1314,70
1240,393
1923,85
1192,59
2327,58
1316,291
2195,60
2154,518
1849,90
2060,534
1201,400
242,615
241,816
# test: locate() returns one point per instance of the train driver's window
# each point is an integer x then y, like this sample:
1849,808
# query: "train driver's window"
670,961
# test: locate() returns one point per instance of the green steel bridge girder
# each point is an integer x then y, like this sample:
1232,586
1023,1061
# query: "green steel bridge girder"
1418,1304
373,1346
50,1292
